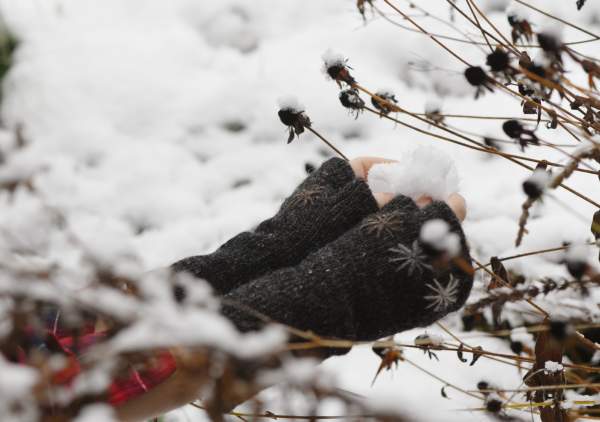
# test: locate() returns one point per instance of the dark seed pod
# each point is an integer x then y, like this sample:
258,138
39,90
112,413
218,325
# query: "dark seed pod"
296,120
381,106
536,69
476,76
535,185
516,347
577,268
549,43
309,168
498,60
483,385
288,116
580,4
493,405
525,90
350,99
512,128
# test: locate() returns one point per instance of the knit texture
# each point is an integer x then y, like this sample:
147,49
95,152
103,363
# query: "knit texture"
374,281
328,203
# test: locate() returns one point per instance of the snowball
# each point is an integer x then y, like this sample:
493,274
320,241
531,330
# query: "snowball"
290,102
551,367
424,171
437,233
333,58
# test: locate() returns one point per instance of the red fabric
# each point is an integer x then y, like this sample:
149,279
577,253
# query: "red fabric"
132,385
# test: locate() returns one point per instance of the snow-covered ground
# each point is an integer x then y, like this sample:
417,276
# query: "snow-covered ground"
152,126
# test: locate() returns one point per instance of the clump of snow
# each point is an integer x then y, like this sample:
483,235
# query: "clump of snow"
433,106
290,102
437,234
428,339
333,58
424,171
551,367
517,11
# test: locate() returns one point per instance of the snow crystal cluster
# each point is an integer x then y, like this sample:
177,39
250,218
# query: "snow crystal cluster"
424,171
291,103
551,367
333,58
436,233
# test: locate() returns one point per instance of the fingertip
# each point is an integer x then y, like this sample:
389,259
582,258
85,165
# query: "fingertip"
458,204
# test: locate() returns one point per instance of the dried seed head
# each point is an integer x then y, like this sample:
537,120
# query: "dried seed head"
483,385
513,128
476,76
549,42
336,66
516,347
381,106
498,61
350,99
493,404
576,260
536,184
292,115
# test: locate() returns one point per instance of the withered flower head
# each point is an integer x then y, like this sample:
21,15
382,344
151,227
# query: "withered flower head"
498,61
381,106
291,114
535,185
336,66
515,130
477,77
351,100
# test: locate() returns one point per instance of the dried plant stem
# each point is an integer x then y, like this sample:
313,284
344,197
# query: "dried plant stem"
405,16
318,135
276,416
558,19
491,24
523,220
479,25
507,284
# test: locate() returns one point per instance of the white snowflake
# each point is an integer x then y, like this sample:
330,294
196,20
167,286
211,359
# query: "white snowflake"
411,258
444,295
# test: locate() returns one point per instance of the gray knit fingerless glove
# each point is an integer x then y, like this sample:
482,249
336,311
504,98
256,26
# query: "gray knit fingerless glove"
374,281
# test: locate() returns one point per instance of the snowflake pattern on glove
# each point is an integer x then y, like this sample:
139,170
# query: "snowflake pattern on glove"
413,259
379,224
443,296
306,197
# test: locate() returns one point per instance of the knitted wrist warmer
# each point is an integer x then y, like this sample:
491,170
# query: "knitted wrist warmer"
329,202
374,281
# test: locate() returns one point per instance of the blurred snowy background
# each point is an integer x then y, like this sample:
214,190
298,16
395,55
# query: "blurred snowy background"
152,126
